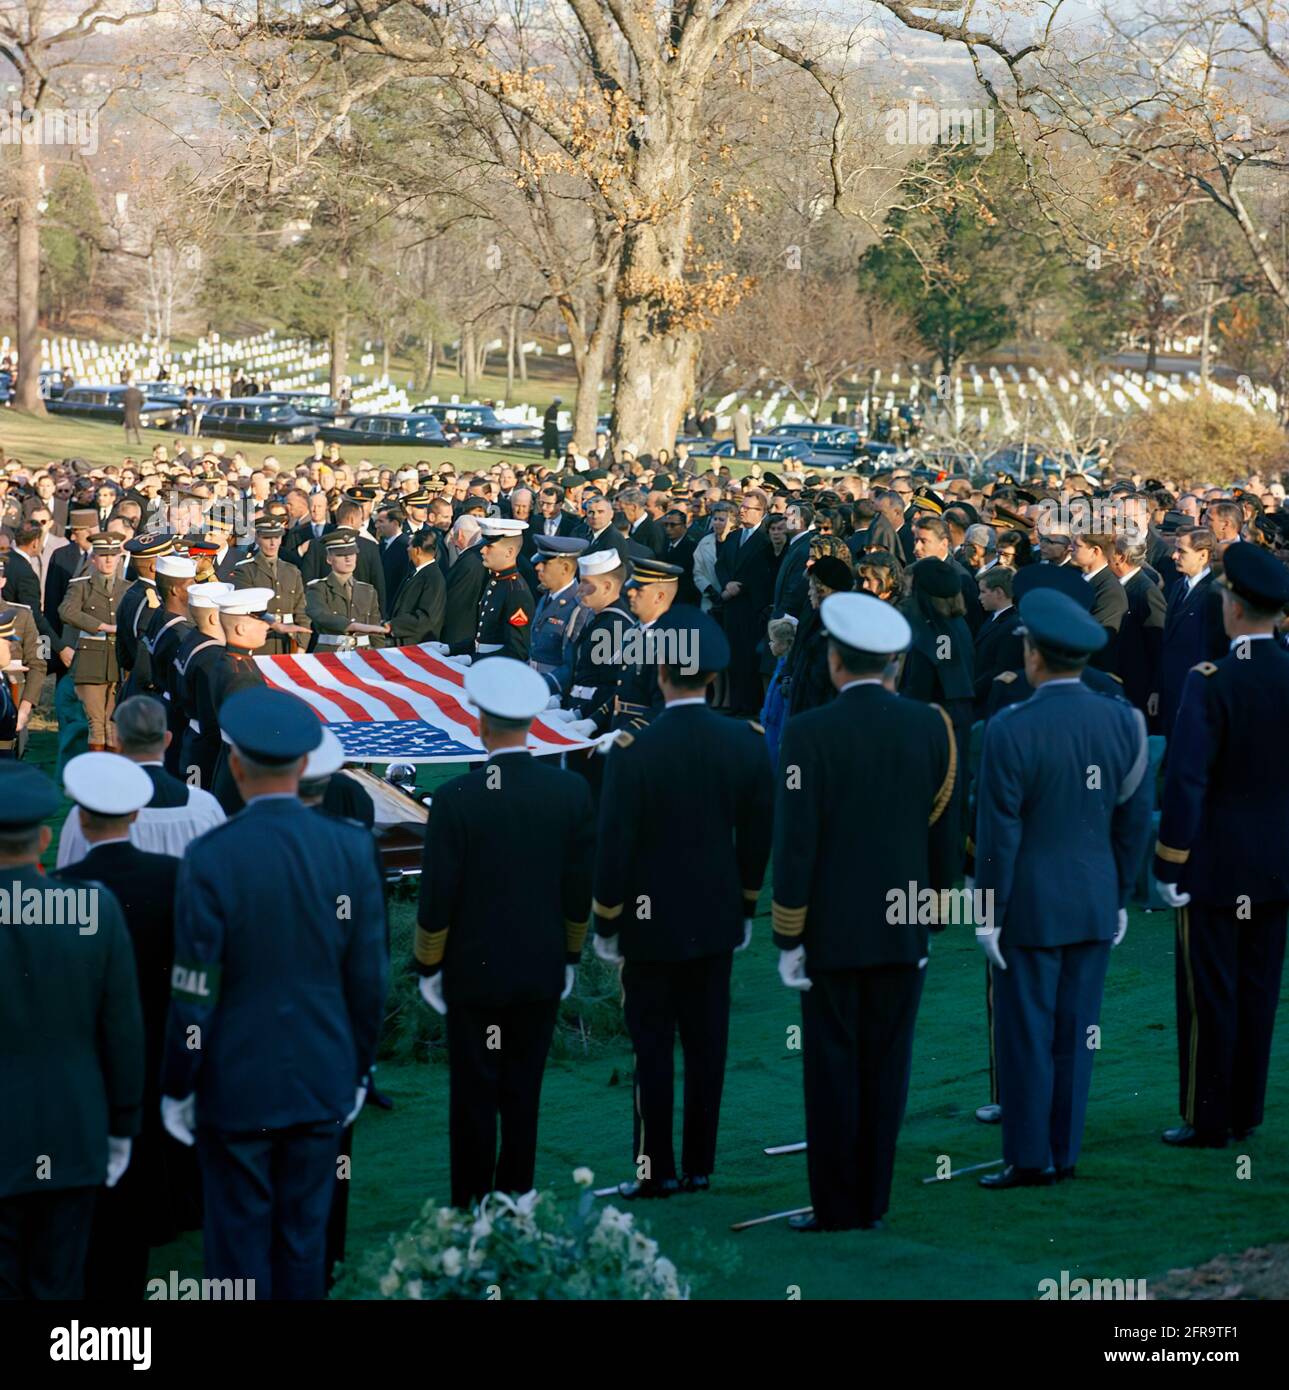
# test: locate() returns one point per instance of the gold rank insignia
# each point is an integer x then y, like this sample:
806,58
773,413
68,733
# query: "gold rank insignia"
1205,668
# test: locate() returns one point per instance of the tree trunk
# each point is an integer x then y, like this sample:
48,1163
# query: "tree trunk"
466,359
384,354
26,394
340,330
430,361
1206,338
523,362
511,335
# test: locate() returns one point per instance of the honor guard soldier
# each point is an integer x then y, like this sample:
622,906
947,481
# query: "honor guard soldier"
650,592
289,629
685,821
506,607
560,613
308,994
1222,859
1062,817
22,673
109,791
418,608
193,750
139,603
497,952
344,611
244,621
832,901
71,1055
169,624
598,656
91,607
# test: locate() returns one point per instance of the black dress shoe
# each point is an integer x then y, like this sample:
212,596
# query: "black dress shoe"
693,1182
805,1222
1064,1174
639,1191
1011,1176
1186,1137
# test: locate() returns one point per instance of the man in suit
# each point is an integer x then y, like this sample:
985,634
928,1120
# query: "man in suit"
885,531
745,572
499,951
391,536
998,645
641,527
1063,814
685,819
69,563
554,518
466,581
1193,630
1141,635
865,958
1090,555
109,791
931,541
71,1056
1222,861
679,550
369,570
604,535
792,582
309,994
420,601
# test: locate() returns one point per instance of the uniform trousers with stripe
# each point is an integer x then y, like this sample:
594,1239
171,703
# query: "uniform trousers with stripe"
857,1048
661,999
496,1059
1228,985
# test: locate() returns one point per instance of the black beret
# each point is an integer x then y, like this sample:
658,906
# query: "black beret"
937,578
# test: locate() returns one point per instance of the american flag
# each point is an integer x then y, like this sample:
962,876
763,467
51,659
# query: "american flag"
397,704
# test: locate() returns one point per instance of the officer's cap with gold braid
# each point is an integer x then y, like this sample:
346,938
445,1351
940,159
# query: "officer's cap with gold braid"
151,546
7,628
924,499
653,572
341,541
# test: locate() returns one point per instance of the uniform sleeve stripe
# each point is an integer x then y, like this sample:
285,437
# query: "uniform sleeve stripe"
1170,855
575,936
788,921
943,796
608,913
430,946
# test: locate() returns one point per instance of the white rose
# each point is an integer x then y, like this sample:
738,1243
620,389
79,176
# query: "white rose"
452,1262
583,1177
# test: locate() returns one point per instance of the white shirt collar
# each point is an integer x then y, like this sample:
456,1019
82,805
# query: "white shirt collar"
863,680
1090,575
687,700
1250,637
565,589
1191,582
1124,578
501,752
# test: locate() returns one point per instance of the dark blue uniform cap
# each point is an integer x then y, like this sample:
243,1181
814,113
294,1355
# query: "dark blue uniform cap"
550,546
1055,622
693,639
270,726
1256,575
27,796
1065,579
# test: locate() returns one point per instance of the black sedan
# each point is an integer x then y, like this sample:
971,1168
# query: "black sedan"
482,420
108,403
392,427
266,422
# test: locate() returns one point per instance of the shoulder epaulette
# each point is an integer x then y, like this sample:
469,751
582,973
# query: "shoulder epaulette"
80,579
1205,668
247,561
312,582
1006,677
624,739
755,727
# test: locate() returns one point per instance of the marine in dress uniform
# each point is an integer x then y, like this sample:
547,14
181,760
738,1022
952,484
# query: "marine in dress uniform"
497,952
560,613
839,854
506,606
420,602
244,620
91,608
289,629
192,746
309,994
140,1211
138,604
1222,859
344,611
650,592
71,1058
685,818
1063,814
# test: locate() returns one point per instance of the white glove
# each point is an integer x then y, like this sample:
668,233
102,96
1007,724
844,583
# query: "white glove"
792,968
440,648
580,728
178,1117
118,1158
1171,894
462,660
553,709
1121,929
605,742
747,935
988,941
606,947
359,1098
570,979
431,988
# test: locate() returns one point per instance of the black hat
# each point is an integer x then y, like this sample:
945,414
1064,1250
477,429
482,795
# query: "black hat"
938,578
1064,579
361,494
1055,621
1256,575
270,726
552,547
27,796
833,573
150,546
688,638
1173,522
651,571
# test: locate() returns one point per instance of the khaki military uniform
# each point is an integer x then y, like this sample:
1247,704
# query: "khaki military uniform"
28,648
334,604
92,599
288,605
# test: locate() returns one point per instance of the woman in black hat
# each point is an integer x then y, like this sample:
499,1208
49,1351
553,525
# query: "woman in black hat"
807,682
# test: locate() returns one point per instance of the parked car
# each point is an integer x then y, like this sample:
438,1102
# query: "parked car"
482,420
844,441
248,417
392,427
106,403
767,448
315,403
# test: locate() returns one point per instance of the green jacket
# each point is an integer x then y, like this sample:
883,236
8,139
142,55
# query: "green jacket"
92,599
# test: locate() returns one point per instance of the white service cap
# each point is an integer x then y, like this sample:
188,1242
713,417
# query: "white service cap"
244,602
326,758
107,783
599,561
177,567
506,688
204,595
865,623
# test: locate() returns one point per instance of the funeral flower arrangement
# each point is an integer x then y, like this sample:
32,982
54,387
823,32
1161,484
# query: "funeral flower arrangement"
519,1247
